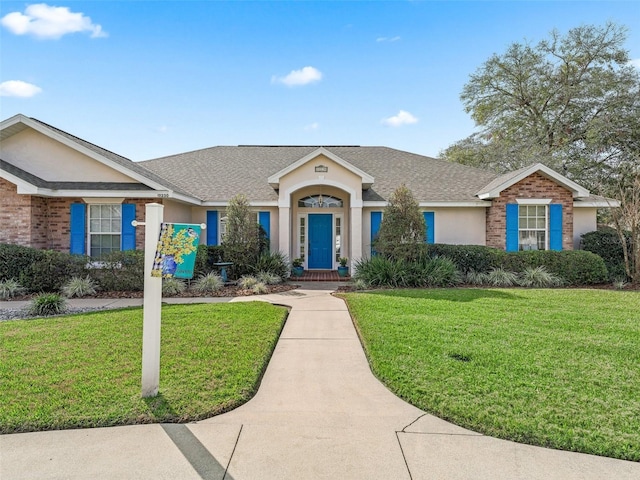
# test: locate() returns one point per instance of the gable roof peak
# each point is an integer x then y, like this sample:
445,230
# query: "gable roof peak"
493,189
367,180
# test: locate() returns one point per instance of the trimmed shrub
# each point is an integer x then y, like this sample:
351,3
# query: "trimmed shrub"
259,288
10,288
539,277
402,231
79,287
15,259
209,283
575,267
380,271
241,243
468,258
202,265
476,278
51,271
120,271
275,263
360,284
268,278
247,282
47,304
606,243
498,277
172,286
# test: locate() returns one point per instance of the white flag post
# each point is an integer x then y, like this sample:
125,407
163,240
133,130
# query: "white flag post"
152,303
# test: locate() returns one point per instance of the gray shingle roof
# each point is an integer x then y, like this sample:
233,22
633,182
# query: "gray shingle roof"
219,173
41,183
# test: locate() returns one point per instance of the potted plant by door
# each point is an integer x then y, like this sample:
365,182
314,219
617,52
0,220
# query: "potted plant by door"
343,270
297,269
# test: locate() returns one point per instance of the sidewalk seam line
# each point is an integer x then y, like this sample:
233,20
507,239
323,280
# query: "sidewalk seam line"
226,470
403,455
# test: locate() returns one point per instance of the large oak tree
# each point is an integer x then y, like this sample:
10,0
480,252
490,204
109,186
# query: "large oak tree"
571,102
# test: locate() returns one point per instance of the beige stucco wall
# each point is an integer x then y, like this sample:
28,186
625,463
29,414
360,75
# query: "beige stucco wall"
453,225
459,225
176,212
584,220
55,162
336,175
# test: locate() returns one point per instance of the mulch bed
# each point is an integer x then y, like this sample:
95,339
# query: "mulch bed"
227,291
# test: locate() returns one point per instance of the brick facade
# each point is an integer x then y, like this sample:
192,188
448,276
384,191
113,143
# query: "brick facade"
534,186
43,222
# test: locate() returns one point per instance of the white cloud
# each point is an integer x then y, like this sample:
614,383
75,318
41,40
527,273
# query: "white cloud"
44,21
18,88
402,118
387,39
299,77
162,129
635,63
311,127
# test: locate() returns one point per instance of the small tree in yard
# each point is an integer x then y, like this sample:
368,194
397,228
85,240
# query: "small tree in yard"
241,243
402,231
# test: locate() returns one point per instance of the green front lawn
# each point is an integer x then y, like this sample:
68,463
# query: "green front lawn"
85,370
556,368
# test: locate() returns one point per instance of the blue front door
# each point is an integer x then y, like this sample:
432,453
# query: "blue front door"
320,234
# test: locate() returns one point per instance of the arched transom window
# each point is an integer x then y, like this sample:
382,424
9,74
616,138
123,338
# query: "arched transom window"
320,201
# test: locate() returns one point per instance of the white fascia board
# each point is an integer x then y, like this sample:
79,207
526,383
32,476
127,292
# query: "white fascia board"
47,192
533,201
256,203
442,204
577,190
90,153
367,180
470,203
597,204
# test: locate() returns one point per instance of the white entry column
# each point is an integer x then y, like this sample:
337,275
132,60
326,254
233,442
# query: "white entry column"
356,233
284,227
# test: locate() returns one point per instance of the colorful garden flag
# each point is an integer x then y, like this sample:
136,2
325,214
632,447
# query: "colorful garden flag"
176,251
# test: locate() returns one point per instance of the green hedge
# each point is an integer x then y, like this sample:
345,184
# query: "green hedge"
51,270
120,271
468,258
606,243
15,259
575,267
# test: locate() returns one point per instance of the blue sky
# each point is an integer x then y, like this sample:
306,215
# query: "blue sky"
147,79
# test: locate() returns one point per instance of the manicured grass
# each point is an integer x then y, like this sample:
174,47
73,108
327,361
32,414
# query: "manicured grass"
85,370
555,368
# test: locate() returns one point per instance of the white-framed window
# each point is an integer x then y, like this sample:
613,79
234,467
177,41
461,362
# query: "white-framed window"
302,236
222,230
320,201
533,230
337,235
105,229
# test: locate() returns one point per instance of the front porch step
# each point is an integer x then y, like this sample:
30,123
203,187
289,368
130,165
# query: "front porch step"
320,276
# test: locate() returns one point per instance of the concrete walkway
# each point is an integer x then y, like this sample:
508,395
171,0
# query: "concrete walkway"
319,413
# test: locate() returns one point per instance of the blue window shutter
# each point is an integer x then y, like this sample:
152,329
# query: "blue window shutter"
78,226
376,220
212,227
512,227
128,238
264,219
555,226
430,222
